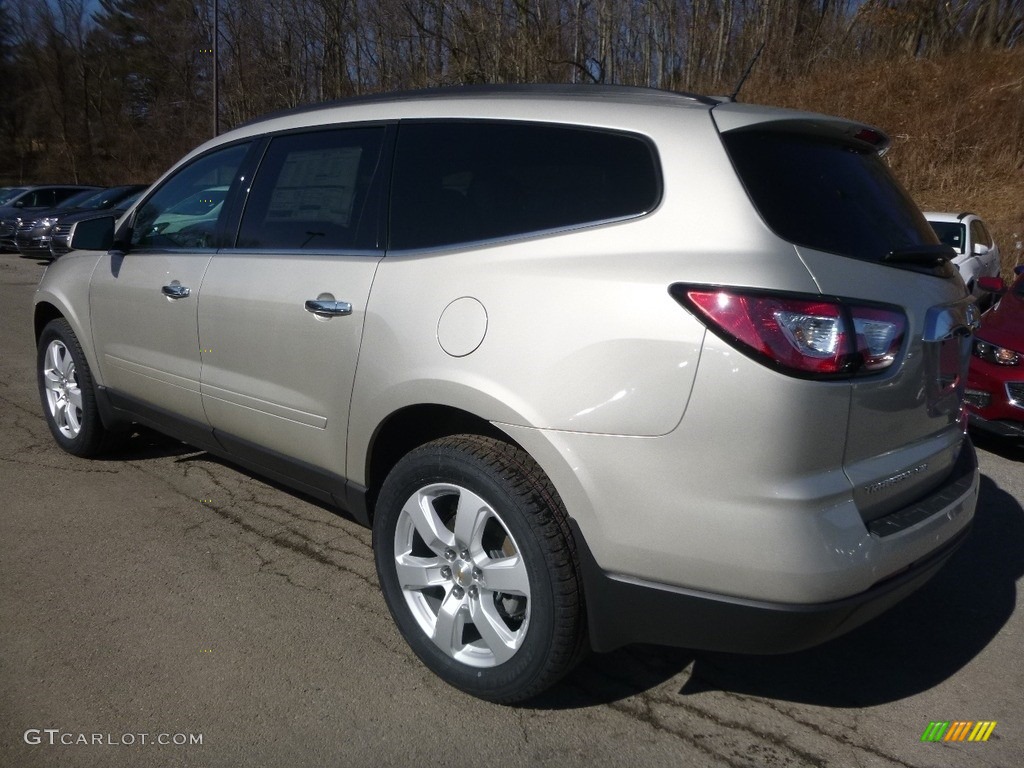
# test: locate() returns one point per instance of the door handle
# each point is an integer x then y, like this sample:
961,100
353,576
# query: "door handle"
176,290
323,308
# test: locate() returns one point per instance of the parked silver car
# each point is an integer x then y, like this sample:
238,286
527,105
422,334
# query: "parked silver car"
27,202
599,365
34,236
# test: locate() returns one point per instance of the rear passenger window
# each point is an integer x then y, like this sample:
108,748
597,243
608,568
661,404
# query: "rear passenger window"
311,190
459,182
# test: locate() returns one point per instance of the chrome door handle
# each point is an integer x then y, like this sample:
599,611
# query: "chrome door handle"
328,308
176,291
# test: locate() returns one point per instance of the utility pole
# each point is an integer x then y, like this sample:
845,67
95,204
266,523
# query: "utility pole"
216,68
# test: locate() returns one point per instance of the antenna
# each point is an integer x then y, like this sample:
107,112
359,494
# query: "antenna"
746,72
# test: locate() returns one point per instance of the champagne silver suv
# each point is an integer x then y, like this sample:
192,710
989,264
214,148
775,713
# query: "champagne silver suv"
598,365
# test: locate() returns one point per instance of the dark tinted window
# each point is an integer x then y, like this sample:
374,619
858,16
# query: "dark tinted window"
9,193
39,198
62,195
458,182
311,190
950,233
79,198
185,211
826,194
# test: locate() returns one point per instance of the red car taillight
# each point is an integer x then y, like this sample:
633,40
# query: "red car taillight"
800,335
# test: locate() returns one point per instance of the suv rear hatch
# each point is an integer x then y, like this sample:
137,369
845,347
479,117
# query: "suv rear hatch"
821,184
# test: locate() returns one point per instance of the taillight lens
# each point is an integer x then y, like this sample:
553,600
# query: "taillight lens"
800,335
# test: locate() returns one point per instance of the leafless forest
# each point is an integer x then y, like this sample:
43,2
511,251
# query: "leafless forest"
116,90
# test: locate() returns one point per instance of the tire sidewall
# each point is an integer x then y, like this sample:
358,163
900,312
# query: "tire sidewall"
444,465
88,439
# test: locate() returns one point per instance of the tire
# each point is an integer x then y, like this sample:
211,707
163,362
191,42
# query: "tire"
66,391
453,517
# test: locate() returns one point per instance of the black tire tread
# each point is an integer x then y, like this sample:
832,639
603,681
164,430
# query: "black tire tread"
93,438
547,516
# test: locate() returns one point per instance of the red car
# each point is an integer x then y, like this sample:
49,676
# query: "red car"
995,382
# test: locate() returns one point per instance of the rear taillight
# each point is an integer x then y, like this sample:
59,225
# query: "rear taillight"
800,335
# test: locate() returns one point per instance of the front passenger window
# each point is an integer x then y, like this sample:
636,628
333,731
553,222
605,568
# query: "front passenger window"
187,209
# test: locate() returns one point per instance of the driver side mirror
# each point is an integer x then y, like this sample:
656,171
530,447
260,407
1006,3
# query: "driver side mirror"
980,249
93,234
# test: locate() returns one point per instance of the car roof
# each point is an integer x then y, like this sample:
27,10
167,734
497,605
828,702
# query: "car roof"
523,92
950,217
615,107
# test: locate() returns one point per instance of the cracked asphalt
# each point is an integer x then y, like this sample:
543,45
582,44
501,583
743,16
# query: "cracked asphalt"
163,592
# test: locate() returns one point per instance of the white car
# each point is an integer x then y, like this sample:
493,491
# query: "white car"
977,253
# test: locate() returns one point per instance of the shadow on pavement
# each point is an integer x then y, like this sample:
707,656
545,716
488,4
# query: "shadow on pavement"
143,444
1012,450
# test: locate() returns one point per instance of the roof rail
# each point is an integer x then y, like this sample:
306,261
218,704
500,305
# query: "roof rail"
483,91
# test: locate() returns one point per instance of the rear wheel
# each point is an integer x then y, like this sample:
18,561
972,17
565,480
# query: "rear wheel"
66,391
476,564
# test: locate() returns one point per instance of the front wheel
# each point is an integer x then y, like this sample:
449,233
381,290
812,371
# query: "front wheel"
66,391
476,564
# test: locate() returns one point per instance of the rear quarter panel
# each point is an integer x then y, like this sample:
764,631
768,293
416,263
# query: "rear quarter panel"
581,333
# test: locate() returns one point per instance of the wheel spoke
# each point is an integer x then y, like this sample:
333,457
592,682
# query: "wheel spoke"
420,509
75,397
52,379
498,638
53,353
470,518
64,363
418,572
60,414
450,621
506,574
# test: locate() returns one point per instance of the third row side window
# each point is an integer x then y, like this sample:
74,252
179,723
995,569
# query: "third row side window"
461,182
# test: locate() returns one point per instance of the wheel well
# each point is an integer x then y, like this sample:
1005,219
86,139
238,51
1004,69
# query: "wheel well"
44,313
410,428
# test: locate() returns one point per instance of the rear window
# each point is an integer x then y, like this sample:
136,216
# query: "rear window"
459,182
826,194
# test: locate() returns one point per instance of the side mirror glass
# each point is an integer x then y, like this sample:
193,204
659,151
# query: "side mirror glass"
93,234
992,284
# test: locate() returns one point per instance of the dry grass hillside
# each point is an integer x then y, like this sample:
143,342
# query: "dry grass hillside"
957,125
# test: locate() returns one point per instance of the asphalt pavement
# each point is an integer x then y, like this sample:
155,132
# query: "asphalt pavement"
160,607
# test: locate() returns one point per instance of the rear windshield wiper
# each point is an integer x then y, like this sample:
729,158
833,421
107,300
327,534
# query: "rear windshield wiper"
928,255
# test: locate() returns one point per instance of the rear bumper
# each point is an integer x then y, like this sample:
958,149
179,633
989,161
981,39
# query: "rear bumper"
998,427
624,610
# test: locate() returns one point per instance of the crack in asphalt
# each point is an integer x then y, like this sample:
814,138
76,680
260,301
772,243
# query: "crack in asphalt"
838,738
277,524
276,532
40,443
775,749
649,707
